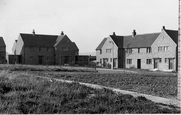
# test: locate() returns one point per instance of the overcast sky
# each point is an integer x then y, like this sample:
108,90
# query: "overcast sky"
86,22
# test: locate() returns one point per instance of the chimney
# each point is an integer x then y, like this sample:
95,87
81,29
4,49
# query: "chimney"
163,28
62,33
33,32
114,34
134,33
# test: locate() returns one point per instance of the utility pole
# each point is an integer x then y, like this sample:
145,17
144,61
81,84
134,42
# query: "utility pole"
179,69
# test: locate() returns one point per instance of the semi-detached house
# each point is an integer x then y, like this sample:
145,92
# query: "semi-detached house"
43,49
145,51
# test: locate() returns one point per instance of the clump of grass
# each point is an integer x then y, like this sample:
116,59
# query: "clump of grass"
31,95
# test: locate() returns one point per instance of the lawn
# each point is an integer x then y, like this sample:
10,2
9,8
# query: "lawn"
22,93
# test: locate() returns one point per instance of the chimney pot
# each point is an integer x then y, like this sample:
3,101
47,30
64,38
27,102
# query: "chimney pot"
114,34
62,33
33,32
134,33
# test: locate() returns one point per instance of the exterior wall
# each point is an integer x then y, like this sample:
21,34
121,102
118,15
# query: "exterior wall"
108,45
3,55
164,40
143,55
68,56
14,47
81,60
32,54
19,46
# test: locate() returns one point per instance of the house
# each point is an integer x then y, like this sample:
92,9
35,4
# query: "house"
145,51
43,49
2,51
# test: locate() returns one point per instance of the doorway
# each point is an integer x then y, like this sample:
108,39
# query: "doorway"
40,59
155,65
171,64
139,63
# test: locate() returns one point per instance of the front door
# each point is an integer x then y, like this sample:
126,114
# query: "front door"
139,63
40,59
170,64
155,63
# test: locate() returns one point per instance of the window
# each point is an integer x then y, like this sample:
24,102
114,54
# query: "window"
148,50
31,58
166,60
129,61
100,60
162,48
129,50
138,50
160,60
48,58
148,61
47,48
108,50
110,59
165,48
39,48
100,51
65,48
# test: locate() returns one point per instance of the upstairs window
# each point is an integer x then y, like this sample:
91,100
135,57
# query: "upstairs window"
31,58
165,48
100,51
148,50
129,50
138,50
162,48
108,50
65,48
39,48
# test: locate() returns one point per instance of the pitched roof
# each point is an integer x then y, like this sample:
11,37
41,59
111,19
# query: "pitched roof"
39,40
2,43
101,44
59,39
118,40
173,34
144,40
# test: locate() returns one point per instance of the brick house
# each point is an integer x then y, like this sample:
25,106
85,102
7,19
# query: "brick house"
145,51
2,51
43,49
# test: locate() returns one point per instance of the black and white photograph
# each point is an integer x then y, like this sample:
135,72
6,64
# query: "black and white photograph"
90,57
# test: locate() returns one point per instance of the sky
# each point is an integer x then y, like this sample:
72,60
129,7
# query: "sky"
85,22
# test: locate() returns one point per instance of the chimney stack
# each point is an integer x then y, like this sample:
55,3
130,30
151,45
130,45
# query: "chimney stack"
114,34
163,28
33,32
62,33
134,33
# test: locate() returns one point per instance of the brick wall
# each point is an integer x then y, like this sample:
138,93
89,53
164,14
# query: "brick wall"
32,54
62,54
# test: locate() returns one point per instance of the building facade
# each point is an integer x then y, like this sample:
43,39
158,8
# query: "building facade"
147,51
43,49
2,51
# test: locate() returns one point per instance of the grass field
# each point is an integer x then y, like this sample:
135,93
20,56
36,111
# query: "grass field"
23,94
163,86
